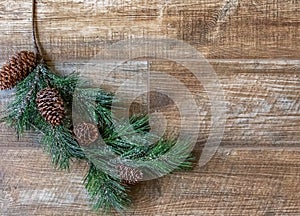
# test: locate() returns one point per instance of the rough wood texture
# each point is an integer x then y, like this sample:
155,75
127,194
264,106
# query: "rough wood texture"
220,29
253,47
235,182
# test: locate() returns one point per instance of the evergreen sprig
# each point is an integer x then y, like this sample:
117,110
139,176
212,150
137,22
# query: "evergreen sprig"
106,192
61,145
122,141
19,114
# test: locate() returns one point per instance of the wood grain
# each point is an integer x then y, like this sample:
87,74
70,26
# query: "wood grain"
262,101
253,47
262,98
235,182
219,29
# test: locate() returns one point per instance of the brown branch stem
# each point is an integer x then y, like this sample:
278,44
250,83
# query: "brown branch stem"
34,33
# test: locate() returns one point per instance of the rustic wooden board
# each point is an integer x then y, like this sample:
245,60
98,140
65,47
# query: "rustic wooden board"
220,29
253,47
262,99
235,182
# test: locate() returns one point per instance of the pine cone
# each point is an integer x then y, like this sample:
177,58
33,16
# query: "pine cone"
17,69
86,133
129,175
50,105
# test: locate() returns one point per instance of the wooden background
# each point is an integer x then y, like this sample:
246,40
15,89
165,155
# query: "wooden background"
253,45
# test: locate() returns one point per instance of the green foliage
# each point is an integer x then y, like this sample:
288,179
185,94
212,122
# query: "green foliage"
124,134
22,114
19,114
62,147
93,105
164,157
106,192
122,141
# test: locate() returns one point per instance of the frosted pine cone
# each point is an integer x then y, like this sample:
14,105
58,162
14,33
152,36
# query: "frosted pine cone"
86,133
17,68
129,175
50,105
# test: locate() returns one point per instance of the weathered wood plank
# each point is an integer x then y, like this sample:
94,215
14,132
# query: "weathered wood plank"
220,29
254,49
24,190
262,101
234,182
262,98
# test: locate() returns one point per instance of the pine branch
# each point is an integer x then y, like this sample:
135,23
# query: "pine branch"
124,134
164,157
46,102
57,141
61,146
126,143
132,141
19,112
106,192
94,105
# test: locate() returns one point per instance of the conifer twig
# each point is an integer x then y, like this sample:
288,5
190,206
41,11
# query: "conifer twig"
126,145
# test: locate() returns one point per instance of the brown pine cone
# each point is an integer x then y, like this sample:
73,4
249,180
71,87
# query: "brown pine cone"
129,175
86,133
50,105
17,68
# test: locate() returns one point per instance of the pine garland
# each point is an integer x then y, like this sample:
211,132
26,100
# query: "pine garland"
118,158
120,152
